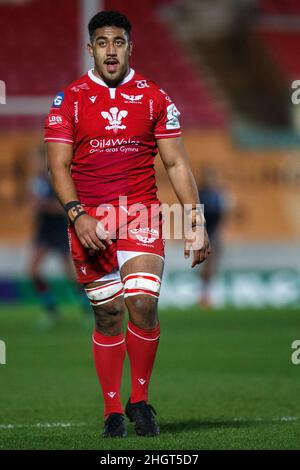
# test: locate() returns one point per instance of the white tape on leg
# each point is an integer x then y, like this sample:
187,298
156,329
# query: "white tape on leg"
142,283
102,294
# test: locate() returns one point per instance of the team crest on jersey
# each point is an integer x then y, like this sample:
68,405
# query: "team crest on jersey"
142,84
114,117
145,240
57,102
132,98
145,235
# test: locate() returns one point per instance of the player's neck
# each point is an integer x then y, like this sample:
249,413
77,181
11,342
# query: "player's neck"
111,83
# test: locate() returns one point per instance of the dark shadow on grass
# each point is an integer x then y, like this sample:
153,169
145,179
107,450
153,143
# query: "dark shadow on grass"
193,425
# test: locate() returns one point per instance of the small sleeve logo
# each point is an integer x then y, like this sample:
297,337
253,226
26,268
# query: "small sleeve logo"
57,102
172,116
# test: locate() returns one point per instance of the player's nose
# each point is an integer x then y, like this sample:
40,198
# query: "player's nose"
110,50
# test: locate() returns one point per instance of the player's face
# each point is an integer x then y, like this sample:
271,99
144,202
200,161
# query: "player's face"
111,50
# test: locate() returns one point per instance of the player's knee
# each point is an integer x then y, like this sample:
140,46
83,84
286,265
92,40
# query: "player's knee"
109,317
108,306
141,292
142,311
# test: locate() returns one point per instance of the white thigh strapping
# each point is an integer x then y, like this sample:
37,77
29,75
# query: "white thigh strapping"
105,293
141,283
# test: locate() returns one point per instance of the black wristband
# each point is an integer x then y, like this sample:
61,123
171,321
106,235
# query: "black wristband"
74,210
77,216
71,204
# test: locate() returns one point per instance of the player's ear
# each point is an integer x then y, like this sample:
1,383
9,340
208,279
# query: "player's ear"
130,47
90,49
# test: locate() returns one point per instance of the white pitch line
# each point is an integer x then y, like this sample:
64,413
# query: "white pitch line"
276,419
41,425
69,425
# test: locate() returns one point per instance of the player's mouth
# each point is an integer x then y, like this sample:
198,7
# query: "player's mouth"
111,65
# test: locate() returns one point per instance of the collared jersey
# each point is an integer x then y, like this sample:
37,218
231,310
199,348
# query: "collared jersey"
113,132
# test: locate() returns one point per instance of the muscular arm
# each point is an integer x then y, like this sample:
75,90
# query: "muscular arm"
59,158
177,166
176,163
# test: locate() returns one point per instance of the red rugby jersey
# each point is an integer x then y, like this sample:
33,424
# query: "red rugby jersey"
113,132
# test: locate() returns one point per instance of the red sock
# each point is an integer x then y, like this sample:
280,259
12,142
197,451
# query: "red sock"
109,354
141,346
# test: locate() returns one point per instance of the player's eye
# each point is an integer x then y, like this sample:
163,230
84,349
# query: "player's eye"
119,43
101,43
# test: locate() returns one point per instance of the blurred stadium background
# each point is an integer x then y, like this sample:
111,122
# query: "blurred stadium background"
229,66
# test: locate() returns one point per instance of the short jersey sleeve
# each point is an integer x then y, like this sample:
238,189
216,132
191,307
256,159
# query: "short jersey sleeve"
59,126
167,123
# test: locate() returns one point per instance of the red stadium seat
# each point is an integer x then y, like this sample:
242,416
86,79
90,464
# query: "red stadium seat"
43,54
159,55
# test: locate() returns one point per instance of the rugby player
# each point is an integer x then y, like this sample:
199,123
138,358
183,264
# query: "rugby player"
102,134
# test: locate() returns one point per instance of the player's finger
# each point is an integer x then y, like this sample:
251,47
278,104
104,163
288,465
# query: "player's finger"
204,253
99,243
207,252
202,256
83,242
196,258
103,234
96,241
91,244
107,238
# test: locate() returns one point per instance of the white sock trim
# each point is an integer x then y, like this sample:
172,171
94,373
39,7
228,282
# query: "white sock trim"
107,345
141,337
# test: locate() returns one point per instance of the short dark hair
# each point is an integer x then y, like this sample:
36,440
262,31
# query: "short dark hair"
109,18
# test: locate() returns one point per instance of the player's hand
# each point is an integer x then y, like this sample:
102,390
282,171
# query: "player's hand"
198,243
89,231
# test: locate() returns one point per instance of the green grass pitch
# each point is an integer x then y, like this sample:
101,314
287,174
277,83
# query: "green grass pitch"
223,380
